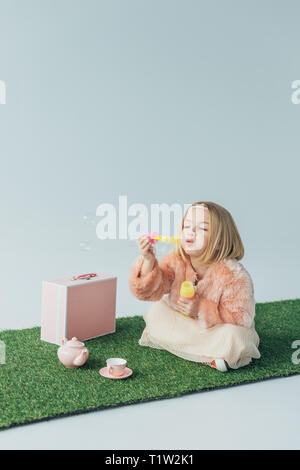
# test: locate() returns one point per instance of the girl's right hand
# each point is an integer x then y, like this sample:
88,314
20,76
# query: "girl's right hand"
145,247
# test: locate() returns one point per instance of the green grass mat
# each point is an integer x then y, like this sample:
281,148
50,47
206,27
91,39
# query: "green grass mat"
34,386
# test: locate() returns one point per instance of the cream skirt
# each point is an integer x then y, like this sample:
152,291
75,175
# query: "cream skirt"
167,329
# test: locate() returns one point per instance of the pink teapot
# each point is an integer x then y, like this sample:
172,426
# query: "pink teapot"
72,353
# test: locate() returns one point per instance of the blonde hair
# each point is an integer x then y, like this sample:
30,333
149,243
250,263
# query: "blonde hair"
224,240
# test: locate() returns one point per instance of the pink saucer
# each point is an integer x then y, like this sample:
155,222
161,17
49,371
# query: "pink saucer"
104,372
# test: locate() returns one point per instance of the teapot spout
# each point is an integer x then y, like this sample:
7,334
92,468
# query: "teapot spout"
81,359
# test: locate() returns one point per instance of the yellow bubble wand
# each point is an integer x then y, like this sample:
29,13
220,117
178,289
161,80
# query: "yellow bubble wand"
154,238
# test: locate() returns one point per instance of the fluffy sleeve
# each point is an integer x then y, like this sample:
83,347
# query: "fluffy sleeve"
156,283
236,303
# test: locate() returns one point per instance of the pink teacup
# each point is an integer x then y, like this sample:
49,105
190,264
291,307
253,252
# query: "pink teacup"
116,366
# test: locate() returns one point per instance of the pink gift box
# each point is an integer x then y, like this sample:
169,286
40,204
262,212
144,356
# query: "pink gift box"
81,307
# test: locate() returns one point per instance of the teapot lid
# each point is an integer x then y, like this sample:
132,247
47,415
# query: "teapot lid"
74,343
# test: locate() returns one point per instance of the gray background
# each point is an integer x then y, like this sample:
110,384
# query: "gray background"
164,102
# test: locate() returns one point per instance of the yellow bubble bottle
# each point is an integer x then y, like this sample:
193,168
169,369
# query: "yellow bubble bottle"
187,291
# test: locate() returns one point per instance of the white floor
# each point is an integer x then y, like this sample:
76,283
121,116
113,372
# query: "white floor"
262,415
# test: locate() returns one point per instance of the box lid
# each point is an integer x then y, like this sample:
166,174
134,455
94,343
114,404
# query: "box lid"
77,280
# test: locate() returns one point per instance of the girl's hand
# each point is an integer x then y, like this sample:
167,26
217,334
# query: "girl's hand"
146,247
189,307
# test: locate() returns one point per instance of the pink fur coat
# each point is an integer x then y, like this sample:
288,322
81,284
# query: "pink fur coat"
226,290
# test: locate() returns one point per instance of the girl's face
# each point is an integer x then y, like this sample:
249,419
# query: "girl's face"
195,230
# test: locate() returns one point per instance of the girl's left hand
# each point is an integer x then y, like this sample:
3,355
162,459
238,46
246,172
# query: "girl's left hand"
189,307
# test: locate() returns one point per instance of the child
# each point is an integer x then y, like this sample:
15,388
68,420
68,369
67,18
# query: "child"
216,327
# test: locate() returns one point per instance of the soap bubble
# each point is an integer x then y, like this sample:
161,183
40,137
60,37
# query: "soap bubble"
89,218
85,246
